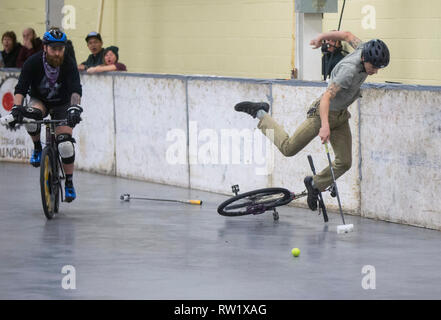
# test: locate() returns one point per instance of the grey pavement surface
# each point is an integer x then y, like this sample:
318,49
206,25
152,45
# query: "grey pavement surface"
156,250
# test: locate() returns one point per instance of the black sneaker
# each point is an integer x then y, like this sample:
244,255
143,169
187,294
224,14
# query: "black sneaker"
251,107
312,194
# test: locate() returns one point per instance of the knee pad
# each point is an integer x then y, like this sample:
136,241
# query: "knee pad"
33,113
66,148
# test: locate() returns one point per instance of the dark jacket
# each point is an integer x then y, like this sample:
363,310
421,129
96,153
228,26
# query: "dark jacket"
93,61
329,61
69,51
10,59
25,53
33,77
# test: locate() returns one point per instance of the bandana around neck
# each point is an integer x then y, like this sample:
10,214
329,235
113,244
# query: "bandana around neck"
51,72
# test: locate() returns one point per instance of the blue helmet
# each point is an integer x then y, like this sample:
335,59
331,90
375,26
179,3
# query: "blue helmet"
55,36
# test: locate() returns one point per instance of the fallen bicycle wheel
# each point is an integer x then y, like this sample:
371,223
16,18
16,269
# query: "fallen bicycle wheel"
255,202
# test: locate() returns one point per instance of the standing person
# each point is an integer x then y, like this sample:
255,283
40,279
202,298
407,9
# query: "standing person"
332,54
95,45
55,89
111,63
328,116
11,48
31,45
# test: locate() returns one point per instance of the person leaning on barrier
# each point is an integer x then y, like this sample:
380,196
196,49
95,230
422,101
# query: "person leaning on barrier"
110,62
54,87
328,115
11,49
31,45
95,45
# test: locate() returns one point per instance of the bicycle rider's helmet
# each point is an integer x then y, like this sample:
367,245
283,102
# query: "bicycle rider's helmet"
54,36
376,52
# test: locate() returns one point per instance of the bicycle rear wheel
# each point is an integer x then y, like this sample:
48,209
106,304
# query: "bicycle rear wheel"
48,185
255,202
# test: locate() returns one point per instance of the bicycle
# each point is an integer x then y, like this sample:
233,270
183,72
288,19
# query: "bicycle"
51,168
261,200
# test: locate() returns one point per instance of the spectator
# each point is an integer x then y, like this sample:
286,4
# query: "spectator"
95,45
10,49
31,45
69,51
332,54
110,62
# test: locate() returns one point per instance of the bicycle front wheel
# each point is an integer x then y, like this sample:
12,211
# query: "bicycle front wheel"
255,202
48,185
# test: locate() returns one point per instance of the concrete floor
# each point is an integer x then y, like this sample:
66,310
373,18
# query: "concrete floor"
154,250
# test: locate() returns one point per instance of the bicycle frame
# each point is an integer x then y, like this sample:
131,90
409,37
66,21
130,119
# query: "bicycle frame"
52,144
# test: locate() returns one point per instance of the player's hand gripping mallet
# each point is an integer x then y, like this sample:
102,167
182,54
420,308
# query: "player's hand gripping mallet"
345,228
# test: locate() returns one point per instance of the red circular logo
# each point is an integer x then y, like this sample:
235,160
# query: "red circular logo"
8,101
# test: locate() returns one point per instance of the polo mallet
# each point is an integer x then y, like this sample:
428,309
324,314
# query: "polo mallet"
321,202
128,197
344,228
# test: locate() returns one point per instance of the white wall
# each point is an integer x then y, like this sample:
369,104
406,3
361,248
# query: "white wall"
148,127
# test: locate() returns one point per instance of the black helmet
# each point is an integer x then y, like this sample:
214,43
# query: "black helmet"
376,52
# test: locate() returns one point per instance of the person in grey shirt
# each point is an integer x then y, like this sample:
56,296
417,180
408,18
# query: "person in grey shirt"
328,116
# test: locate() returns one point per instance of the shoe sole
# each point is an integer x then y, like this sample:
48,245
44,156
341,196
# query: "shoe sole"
241,106
310,190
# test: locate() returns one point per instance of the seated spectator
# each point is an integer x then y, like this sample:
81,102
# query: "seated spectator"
31,45
95,45
10,49
110,62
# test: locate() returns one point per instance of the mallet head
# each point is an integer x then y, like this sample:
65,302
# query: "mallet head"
345,228
125,197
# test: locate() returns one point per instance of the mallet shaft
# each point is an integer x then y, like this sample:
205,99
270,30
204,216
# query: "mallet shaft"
335,183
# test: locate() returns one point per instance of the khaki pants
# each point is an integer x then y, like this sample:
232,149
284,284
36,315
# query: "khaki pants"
341,141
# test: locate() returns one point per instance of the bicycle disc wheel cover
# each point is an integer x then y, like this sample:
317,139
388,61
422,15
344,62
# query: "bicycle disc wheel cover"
47,188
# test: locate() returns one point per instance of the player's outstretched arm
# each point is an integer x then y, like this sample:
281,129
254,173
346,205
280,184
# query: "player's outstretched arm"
335,36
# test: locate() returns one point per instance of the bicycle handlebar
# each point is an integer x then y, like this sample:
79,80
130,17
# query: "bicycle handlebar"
9,118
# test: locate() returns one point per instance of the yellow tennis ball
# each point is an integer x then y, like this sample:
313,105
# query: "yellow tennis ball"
295,252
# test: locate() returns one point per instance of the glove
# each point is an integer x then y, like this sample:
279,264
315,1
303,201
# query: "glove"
18,113
74,115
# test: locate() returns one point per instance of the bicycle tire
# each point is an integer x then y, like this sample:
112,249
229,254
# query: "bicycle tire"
60,175
47,186
255,202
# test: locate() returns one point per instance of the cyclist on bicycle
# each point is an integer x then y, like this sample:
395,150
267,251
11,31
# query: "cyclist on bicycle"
53,83
328,116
